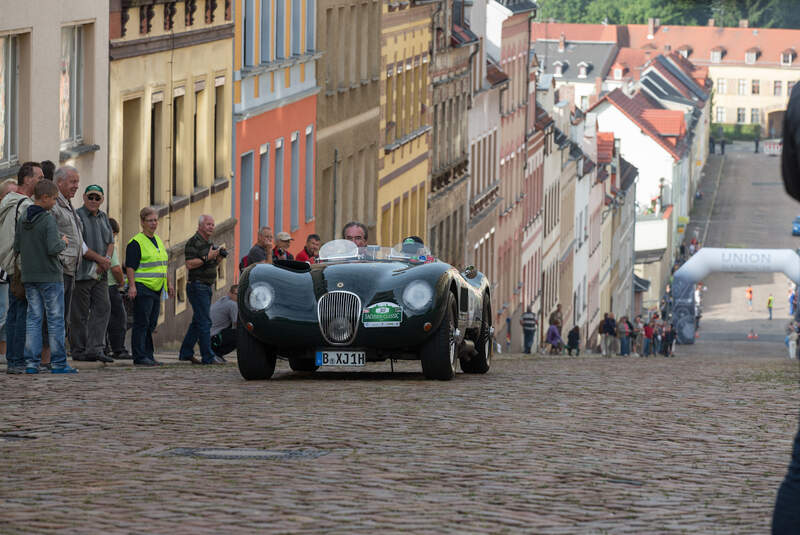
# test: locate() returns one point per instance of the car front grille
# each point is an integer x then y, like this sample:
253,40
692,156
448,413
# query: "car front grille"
338,314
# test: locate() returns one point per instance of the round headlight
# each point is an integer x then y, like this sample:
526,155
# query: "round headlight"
417,295
261,296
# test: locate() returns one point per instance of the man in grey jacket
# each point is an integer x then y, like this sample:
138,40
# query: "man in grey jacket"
67,179
12,209
91,306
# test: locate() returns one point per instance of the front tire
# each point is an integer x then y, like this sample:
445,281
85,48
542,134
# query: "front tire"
438,355
481,362
256,361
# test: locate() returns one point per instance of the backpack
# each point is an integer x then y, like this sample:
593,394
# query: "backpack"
244,262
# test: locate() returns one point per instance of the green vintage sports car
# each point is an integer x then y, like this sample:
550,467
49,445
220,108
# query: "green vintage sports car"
360,305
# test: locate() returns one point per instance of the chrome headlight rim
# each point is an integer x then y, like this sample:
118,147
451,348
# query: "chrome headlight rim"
418,296
260,296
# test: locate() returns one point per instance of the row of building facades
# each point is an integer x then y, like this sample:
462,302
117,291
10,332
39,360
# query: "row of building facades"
559,159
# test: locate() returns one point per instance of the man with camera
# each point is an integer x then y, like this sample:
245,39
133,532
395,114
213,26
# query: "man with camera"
202,258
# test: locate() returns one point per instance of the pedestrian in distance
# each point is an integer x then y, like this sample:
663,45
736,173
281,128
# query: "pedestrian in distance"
310,252
792,343
648,333
770,304
12,209
624,330
668,338
202,258
38,243
553,339
748,296
529,324
118,318
146,261
786,517
574,341
224,316
556,318
91,306
261,251
281,251
7,186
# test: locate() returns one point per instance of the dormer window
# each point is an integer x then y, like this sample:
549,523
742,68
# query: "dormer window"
583,69
787,56
684,52
558,69
716,55
618,73
750,56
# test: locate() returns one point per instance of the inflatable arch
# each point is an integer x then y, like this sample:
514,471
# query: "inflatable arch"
709,259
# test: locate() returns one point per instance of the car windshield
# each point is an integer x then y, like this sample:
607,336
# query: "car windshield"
345,250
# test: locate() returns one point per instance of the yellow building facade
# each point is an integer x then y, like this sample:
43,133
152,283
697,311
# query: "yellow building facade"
405,123
170,80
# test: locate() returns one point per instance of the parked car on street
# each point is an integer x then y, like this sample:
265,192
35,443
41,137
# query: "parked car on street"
361,305
796,226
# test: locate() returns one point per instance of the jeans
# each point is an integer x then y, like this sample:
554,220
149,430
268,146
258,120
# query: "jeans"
199,331
786,518
146,308
527,335
3,310
625,345
15,331
770,312
648,346
89,318
117,321
45,300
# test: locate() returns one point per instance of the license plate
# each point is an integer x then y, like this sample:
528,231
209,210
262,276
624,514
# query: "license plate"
341,358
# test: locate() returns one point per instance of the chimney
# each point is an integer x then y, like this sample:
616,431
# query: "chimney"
651,28
711,22
562,42
744,23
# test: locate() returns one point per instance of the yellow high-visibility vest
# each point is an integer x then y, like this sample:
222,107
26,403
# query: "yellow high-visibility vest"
152,270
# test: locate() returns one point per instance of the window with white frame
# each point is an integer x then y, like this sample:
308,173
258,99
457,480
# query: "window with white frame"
558,68
777,88
248,31
742,86
755,116
755,87
70,86
617,74
264,29
720,114
8,100
741,115
786,58
750,57
722,86
716,56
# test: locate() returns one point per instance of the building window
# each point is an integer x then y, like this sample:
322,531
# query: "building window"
720,114
789,87
280,30
263,187
750,57
722,86
71,86
716,56
177,143
740,115
277,209
311,8
309,174
558,69
684,52
156,118
583,68
248,31
297,24
8,100
219,132
755,87
755,116
777,88
742,87
264,28
618,74
295,184
786,58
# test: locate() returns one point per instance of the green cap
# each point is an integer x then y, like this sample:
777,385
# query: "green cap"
94,187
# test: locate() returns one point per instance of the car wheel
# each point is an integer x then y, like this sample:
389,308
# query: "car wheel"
302,365
256,361
482,360
438,355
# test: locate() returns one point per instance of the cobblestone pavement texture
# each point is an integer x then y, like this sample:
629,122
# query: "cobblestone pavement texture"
694,444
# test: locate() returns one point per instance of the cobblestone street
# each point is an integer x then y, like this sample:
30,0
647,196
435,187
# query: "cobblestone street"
695,444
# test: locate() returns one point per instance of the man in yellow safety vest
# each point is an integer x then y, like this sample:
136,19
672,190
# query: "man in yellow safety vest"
146,265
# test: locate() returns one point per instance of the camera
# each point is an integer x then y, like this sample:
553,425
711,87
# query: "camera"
223,252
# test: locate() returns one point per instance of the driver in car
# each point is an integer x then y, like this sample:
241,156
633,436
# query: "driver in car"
413,245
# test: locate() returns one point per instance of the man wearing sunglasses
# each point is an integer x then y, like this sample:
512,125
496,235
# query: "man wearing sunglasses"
91,307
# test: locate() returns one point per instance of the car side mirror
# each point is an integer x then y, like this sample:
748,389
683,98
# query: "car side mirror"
470,272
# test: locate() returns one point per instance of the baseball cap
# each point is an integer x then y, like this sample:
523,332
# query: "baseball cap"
284,236
94,187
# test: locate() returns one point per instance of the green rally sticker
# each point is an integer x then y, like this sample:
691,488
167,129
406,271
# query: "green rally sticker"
382,315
